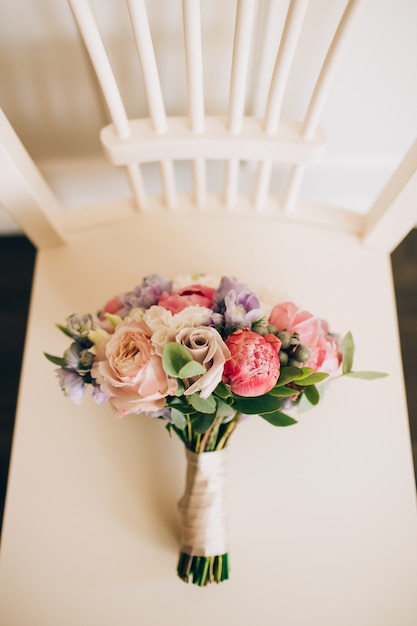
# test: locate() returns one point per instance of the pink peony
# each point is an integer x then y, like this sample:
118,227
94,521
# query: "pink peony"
131,373
254,366
193,295
313,333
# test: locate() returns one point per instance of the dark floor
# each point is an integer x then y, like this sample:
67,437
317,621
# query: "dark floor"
16,266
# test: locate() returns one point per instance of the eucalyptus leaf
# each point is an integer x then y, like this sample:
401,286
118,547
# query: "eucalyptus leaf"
255,406
312,379
224,409
283,392
348,350
174,357
56,360
202,422
178,419
202,405
278,419
222,391
287,375
367,375
181,406
180,388
312,394
191,369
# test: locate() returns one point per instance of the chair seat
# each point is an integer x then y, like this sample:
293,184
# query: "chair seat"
322,515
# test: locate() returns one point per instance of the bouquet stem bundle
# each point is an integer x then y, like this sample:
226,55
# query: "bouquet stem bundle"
203,557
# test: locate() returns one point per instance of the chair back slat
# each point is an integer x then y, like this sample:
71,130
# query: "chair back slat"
100,61
194,63
286,51
240,64
143,40
320,93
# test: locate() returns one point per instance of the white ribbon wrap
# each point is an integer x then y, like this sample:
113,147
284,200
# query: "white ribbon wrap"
203,505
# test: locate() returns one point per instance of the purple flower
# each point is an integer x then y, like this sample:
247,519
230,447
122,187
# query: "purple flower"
148,293
98,396
239,306
78,358
79,326
71,384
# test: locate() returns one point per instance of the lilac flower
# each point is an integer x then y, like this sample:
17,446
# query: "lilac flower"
79,326
239,306
71,384
98,396
78,358
148,293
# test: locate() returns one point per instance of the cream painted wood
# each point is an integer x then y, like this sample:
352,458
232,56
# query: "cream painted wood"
24,192
394,213
322,515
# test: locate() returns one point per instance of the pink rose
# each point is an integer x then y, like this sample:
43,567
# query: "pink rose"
131,373
254,366
313,332
193,295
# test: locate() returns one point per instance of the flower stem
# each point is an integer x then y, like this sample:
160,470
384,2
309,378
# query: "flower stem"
230,428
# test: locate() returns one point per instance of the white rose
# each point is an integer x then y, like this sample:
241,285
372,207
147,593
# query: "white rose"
165,326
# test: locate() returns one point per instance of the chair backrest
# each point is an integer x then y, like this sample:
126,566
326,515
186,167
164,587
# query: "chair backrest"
250,138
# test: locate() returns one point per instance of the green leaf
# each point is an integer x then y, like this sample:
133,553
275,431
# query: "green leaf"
191,369
202,405
305,371
178,419
222,391
367,375
64,330
348,350
312,394
174,357
180,388
287,375
202,422
278,419
56,360
181,406
255,406
312,379
283,392
224,409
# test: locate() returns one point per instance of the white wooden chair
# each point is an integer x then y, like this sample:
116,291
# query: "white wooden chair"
322,515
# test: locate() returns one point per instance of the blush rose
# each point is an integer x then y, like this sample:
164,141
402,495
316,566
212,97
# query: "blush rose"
313,332
131,373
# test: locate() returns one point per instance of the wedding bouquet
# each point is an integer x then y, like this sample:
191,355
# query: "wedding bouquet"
200,354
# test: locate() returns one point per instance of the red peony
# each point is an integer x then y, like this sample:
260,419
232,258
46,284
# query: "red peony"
253,368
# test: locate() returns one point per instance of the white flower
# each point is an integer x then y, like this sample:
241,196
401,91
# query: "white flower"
208,280
165,326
